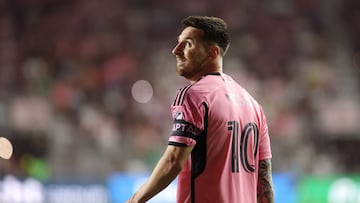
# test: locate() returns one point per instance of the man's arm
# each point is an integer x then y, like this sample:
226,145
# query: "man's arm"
166,170
265,192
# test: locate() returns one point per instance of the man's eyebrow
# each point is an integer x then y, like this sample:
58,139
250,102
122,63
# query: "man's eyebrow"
186,38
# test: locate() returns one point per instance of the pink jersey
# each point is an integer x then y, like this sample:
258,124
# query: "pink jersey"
230,134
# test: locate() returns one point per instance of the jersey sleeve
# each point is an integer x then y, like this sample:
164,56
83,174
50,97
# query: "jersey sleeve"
264,146
188,117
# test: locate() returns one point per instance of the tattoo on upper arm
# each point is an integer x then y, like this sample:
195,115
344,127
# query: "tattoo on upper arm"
265,193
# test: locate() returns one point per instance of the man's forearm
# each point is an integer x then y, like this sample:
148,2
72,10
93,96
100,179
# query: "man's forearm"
265,190
165,171
160,178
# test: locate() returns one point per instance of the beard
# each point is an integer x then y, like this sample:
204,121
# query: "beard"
179,69
181,66
191,69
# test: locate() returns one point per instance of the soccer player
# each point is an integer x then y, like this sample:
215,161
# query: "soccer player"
219,146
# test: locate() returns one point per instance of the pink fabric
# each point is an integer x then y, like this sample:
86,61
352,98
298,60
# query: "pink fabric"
232,114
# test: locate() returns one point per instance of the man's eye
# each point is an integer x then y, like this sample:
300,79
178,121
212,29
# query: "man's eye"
188,44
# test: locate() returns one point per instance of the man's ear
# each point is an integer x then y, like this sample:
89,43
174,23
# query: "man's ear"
214,51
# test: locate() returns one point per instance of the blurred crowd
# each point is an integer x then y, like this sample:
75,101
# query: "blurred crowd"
67,68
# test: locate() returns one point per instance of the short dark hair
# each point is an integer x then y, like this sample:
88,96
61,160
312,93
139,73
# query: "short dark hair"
215,29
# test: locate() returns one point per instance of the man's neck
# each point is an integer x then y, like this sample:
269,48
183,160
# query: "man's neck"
199,76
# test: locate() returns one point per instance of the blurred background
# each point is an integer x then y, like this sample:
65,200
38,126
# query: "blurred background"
86,88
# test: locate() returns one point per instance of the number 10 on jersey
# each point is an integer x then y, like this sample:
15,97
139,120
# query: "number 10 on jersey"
239,148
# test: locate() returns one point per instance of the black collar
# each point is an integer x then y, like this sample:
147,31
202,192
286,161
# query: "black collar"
214,73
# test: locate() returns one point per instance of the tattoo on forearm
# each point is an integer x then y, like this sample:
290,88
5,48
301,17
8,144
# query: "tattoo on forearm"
265,191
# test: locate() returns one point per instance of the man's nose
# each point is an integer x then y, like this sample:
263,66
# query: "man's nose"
177,50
